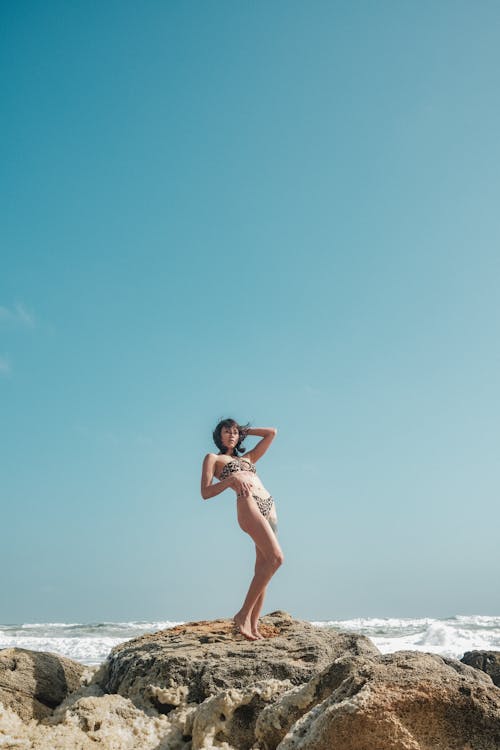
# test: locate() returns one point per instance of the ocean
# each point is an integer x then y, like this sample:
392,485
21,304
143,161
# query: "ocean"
90,643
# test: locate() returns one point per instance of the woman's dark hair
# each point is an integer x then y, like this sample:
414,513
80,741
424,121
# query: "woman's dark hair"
230,423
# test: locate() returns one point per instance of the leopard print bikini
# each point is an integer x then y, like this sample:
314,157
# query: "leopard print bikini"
264,504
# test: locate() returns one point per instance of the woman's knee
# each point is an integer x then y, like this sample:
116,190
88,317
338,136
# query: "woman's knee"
270,563
278,559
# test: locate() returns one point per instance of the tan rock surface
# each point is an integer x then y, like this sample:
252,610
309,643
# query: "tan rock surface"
276,719
401,701
108,722
33,683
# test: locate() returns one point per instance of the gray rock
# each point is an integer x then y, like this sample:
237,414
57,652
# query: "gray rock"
33,683
486,661
191,662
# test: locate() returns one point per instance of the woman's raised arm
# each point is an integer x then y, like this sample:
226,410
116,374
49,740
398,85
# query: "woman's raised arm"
268,434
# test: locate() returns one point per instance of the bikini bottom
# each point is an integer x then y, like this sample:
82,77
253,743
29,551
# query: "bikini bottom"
268,510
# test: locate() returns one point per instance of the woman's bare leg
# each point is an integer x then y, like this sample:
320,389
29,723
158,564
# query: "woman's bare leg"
254,524
257,607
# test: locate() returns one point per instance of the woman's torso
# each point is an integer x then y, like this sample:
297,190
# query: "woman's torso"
245,466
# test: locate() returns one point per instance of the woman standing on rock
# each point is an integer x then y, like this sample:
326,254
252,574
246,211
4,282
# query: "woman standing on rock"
255,506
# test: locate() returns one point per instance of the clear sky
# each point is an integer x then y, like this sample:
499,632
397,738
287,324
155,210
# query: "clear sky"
284,212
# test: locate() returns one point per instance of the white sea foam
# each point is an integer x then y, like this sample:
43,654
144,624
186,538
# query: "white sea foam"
87,643
30,625
86,650
478,620
448,637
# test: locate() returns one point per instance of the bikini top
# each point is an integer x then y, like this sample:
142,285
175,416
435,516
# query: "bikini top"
235,465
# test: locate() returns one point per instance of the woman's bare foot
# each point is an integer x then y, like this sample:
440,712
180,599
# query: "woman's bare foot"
243,626
257,633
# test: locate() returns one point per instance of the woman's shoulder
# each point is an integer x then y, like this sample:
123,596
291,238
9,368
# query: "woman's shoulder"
215,459
210,458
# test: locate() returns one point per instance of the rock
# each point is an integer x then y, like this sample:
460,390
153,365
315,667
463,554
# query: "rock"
487,661
203,687
401,701
191,662
33,683
112,721
109,722
229,717
276,719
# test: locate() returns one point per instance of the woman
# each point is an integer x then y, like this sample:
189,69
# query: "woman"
255,506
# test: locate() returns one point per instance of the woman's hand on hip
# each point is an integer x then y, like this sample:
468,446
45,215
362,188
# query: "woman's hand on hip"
242,485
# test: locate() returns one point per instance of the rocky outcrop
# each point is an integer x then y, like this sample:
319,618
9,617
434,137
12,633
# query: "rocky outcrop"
200,686
401,701
33,683
486,661
275,720
191,662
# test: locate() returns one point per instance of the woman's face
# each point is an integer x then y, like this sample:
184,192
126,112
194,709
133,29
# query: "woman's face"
229,437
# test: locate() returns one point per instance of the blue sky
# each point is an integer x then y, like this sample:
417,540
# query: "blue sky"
283,212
